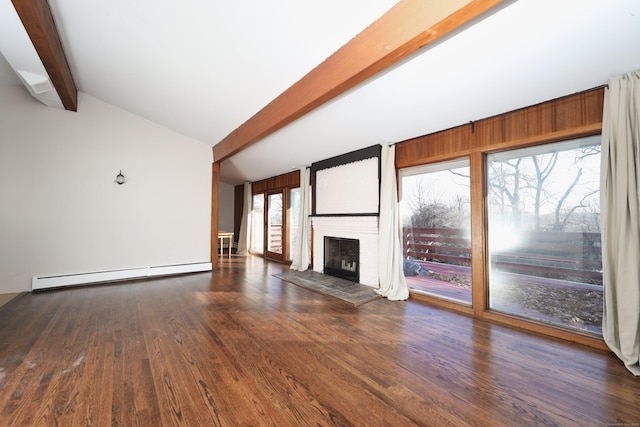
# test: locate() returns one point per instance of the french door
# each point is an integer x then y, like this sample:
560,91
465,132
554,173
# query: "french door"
275,226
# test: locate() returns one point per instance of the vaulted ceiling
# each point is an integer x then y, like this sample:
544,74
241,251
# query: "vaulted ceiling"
203,68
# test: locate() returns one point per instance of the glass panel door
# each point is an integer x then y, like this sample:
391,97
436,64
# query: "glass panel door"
275,225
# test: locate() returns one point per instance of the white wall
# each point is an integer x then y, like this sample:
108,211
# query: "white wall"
62,213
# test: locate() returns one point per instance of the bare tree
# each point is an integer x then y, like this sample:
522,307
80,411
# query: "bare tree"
543,166
514,181
419,199
504,186
428,208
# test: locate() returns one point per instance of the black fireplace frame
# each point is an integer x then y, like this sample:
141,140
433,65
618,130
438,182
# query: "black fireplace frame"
375,151
352,276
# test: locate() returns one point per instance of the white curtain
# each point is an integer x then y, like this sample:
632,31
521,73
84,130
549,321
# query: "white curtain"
393,284
301,253
245,223
620,206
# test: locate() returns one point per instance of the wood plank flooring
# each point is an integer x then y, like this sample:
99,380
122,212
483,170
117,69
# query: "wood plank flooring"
5,298
239,347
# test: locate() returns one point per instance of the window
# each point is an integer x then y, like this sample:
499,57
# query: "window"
257,224
294,213
544,235
436,229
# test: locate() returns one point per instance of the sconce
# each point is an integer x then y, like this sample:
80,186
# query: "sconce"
120,179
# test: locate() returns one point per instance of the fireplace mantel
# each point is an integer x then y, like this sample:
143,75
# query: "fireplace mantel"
363,228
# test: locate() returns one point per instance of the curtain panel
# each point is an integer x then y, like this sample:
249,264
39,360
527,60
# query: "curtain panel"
393,284
620,209
301,252
243,235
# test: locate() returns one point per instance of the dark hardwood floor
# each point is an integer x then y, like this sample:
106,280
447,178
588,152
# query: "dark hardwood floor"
240,347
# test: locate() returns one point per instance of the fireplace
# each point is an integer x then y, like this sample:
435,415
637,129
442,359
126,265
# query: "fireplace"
362,228
342,258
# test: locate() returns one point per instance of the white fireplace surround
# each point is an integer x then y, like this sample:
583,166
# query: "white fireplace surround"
363,228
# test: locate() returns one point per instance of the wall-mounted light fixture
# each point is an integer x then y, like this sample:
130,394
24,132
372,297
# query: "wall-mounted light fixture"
120,179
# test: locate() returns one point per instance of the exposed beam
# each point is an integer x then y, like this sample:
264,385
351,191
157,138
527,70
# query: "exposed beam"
38,22
405,28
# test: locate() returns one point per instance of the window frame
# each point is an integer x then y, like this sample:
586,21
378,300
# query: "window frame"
575,116
425,169
494,219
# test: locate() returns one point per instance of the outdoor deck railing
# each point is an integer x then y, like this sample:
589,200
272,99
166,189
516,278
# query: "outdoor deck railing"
275,238
571,256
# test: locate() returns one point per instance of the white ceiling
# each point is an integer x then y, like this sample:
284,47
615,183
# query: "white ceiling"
204,67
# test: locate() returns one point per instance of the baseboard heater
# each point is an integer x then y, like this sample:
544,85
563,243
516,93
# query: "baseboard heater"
38,283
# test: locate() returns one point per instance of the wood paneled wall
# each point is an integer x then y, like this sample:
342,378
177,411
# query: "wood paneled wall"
238,201
569,117
215,210
286,180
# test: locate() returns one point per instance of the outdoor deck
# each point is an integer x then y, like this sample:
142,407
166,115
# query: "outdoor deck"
443,289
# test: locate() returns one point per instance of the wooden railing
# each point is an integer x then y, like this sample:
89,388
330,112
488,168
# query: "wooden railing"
450,245
275,238
571,256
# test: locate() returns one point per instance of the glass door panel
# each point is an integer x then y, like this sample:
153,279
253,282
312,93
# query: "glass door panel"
275,235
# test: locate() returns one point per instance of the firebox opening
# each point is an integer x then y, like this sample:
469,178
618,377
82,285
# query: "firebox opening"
342,258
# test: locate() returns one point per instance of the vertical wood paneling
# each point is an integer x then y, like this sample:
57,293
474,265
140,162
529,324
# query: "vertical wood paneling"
491,129
593,106
524,123
238,202
215,210
571,116
433,147
579,110
539,123
287,180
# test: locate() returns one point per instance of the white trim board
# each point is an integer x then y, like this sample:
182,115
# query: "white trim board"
40,282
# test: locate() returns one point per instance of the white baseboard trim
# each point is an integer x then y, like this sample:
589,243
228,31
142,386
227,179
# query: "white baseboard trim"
44,282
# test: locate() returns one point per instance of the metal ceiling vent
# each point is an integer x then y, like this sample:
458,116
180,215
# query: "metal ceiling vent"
36,83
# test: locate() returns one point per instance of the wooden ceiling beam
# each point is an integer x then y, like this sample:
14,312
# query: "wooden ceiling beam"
405,28
37,20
